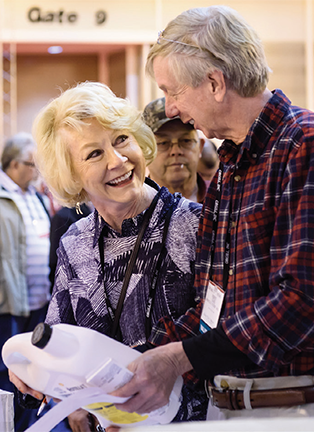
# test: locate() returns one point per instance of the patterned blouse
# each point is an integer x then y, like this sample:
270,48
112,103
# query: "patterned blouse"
80,290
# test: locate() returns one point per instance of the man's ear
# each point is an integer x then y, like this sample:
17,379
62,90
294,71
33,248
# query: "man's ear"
217,85
202,143
14,164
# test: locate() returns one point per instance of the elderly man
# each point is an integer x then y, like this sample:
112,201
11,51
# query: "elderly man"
255,260
24,252
179,150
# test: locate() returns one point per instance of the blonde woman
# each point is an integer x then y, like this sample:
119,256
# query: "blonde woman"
94,146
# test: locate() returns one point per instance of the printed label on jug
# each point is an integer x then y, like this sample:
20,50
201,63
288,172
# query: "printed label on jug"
109,376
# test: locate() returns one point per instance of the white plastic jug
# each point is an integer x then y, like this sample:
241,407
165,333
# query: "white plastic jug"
63,359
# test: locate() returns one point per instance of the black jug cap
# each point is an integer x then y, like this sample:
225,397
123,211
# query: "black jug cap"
41,335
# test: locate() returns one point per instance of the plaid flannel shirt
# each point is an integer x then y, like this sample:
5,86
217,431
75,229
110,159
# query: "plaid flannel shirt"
268,310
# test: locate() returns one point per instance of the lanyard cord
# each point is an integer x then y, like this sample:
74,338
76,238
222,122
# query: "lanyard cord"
228,241
163,252
115,316
215,228
215,218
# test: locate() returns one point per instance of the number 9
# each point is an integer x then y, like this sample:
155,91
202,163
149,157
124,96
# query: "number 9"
101,17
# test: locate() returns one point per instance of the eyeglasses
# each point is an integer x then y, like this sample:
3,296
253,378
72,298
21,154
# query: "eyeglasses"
183,143
29,164
161,38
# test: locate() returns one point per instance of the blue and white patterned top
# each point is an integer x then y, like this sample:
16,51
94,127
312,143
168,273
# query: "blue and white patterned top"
78,296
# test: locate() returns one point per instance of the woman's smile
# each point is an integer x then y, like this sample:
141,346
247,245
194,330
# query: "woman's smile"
122,180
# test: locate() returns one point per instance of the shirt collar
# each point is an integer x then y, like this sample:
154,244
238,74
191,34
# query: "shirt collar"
259,134
202,188
9,185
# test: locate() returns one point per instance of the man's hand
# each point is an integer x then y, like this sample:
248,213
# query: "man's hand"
155,373
81,421
23,388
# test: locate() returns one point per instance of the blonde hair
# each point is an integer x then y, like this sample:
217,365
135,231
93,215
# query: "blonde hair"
202,40
85,101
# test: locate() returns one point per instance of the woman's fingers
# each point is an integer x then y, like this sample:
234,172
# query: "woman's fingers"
24,388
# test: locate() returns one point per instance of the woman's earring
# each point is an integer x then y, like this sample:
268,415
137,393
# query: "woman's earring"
78,206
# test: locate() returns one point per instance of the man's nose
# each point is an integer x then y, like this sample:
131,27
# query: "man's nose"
170,108
175,147
35,175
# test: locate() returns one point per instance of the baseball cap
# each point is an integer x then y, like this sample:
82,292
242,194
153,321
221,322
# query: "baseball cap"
154,114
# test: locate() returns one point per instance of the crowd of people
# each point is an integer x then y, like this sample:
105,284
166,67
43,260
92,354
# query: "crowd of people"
213,250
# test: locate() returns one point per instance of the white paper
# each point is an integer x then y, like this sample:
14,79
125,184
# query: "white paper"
72,403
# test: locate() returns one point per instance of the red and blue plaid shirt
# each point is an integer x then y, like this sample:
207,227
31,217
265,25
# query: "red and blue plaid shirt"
269,303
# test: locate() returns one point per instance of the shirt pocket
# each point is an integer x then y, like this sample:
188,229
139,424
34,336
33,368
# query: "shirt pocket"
260,225
253,252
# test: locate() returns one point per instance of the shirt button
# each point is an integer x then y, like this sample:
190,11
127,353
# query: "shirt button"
230,272
233,224
254,155
237,178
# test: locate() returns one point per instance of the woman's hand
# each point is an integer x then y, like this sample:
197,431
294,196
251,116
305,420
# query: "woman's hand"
23,388
82,421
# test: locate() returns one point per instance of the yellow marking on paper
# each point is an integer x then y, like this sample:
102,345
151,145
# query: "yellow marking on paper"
111,413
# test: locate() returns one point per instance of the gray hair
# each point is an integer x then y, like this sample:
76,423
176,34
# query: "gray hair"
16,147
202,40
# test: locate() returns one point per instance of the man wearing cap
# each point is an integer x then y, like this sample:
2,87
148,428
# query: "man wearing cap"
179,149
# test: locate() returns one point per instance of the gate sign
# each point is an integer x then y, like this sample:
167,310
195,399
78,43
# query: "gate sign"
36,14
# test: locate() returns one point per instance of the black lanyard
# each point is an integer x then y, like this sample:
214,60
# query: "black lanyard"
163,252
215,228
115,315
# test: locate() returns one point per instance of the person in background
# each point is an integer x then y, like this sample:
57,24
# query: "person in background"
178,152
50,203
60,223
208,162
255,256
24,252
129,263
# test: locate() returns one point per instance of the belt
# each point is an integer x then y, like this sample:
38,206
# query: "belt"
234,399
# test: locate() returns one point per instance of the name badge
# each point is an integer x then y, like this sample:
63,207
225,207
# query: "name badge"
212,307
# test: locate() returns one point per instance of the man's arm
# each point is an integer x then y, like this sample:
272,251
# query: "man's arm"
156,371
